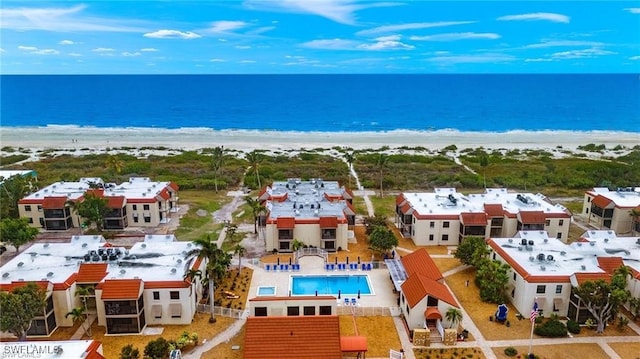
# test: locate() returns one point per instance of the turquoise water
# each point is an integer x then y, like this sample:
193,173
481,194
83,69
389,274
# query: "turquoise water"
330,284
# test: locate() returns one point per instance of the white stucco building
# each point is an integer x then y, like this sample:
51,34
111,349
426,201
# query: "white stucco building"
606,209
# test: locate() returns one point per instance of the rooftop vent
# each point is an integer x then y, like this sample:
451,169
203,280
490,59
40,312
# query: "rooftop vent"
606,240
541,256
50,274
530,242
592,243
549,258
522,199
84,245
562,253
543,268
123,271
173,270
583,267
20,264
510,240
5,274
46,245
179,261
532,258
143,245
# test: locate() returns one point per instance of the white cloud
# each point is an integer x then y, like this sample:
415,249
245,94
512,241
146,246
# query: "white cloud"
62,19
340,11
563,43
46,52
217,60
387,43
227,26
536,16
539,59
66,42
581,54
172,34
260,30
633,10
242,47
471,59
454,36
149,49
634,58
332,44
103,49
410,26
27,48
74,54
247,61
130,54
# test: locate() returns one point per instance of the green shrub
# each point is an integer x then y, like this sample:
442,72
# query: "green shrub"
573,327
551,329
510,351
157,349
129,352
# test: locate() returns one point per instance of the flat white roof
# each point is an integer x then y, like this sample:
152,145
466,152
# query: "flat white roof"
157,258
449,201
10,173
45,349
550,256
306,199
136,187
622,197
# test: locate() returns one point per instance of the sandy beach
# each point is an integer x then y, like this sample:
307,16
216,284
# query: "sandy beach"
91,139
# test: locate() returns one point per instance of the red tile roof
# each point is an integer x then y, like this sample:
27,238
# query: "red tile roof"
97,192
120,288
609,264
532,217
406,208
590,277
302,337
349,192
420,262
116,201
494,210
286,222
164,194
174,186
328,222
474,219
417,286
54,202
432,313
91,272
92,350
400,199
9,287
601,201
67,283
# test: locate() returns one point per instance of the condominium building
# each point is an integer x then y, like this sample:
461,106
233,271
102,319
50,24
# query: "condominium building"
138,202
607,209
316,212
446,217
544,269
126,288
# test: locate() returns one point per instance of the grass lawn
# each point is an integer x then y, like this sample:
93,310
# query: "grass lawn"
626,350
380,332
564,351
446,264
225,351
193,226
384,206
448,353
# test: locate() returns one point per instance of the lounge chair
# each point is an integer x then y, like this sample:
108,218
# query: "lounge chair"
327,266
354,301
295,267
342,266
363,267
332,267
353,266
368,266
267,267
346,301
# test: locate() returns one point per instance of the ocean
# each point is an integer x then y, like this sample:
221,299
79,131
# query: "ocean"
326,103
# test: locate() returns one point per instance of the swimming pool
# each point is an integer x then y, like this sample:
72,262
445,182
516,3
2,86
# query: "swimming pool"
266,291
330,284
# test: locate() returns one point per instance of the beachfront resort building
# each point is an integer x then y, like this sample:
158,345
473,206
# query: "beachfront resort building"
128,289
316,212
617,210
544,269
138,202
423,295
69,349
446,217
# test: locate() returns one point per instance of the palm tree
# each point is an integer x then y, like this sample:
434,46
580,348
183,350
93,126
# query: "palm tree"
256,209
484,162
296,244
217,162
216,264
454,316
77,315
83,293
255,158
114,163
191,275
350,157
240,251
382,162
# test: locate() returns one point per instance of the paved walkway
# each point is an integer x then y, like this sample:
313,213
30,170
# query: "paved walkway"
83,328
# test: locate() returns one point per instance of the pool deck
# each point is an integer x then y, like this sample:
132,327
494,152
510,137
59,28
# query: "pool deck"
379,278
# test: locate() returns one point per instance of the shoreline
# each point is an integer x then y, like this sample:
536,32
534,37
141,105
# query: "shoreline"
93,138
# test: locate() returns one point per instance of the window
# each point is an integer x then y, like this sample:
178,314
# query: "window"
135,207
27,208
39,208
325,310
408,310
547,222
514,275
147,219
135,219
309,310
260,311
558,288
145,207
284,245
494,256
541,289
156,295
561,222
174,294
293,311
588,199
431,237
432,224
445,237
559,235
30,220
445,224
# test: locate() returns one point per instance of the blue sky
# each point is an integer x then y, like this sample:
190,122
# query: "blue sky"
318,36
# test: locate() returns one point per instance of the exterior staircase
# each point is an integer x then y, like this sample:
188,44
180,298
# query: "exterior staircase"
435,335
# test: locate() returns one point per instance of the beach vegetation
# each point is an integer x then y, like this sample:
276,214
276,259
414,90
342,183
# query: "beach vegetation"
11,159
19,307
17,231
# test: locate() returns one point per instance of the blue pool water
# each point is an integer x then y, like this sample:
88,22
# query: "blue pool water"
330,284
266,291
